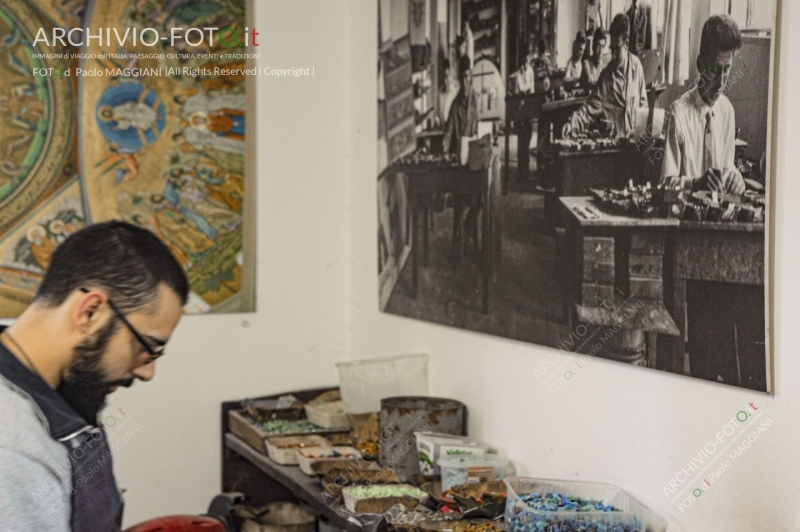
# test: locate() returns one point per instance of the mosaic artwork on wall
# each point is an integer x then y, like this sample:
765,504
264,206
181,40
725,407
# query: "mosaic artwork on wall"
151,143
38,154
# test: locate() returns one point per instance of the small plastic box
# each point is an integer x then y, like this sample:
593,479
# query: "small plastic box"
328,415
521,517
457,470
283,449
316,460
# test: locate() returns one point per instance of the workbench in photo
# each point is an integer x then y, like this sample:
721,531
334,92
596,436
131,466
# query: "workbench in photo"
657,277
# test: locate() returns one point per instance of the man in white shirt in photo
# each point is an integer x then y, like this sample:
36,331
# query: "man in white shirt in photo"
699,148
575,63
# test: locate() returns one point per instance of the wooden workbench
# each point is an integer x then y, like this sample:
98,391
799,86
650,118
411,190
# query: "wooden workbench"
427,180
574,173
612,257
555,114
304,488
720,252
261,480
668,253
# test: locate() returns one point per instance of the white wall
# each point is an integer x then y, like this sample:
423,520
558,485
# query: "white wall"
317,302
571,18
172,464
632,427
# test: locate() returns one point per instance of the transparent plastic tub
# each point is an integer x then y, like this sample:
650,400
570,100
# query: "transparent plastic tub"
365,382
466,469
634,516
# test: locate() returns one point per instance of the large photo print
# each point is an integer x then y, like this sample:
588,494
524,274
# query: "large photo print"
588,175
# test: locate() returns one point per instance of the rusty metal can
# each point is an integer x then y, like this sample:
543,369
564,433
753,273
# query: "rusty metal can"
402,416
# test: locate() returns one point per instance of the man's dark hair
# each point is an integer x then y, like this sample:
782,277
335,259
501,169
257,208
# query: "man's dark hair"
464,65
599,34
720,34
125,261
580,38
620,26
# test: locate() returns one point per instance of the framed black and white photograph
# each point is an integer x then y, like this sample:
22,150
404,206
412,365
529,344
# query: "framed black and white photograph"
589,175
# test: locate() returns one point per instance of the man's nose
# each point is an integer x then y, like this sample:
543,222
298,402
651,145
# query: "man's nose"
145,372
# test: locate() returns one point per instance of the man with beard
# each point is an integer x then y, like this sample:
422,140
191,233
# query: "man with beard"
700,139
107,306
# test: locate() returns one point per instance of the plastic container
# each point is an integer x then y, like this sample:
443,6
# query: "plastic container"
283,449
521,517
379,498
287,407
432,446
365,382
457,470
328,415
319,460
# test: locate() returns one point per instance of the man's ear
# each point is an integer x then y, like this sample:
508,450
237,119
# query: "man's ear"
86,311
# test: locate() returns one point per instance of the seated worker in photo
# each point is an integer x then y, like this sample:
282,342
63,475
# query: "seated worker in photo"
726,326
594,65
463,118
541,64
108,304
463,122
620,89
699,149
524,78
448,89
575,63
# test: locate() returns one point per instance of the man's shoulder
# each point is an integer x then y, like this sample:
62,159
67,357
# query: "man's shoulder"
636,64
683,105
724,105
12,413
24,431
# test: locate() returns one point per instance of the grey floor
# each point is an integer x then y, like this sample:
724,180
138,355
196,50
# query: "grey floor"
524,297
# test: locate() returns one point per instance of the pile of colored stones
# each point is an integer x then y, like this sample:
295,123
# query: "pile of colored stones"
523,517
377,491
556,502
282,426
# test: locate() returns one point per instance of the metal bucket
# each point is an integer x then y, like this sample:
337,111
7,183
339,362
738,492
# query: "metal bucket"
402,416
277,517
626,345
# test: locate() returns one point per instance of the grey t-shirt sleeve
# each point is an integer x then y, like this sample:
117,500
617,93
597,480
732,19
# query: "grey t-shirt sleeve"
31,498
